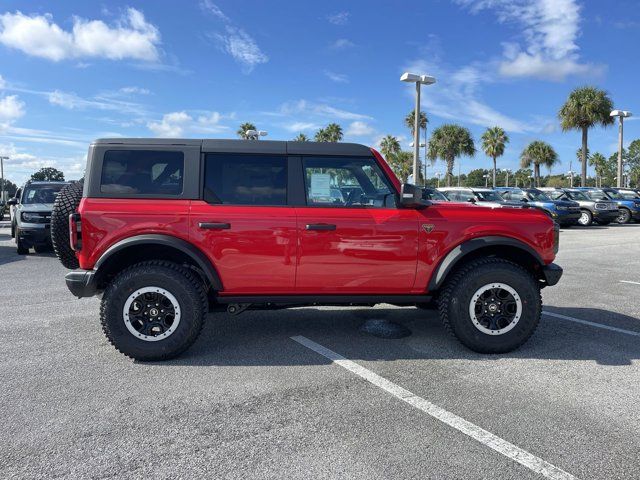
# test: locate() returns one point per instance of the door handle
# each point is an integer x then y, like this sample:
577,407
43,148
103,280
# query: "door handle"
321,226
214,226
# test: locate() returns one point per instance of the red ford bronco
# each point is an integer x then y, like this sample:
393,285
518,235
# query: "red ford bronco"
169,230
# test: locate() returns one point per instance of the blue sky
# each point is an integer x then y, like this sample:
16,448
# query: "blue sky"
73,71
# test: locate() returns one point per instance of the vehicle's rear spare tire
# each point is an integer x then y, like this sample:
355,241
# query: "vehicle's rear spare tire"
491,305
66,203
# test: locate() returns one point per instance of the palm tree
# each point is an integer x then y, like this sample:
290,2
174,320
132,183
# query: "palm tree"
410,120
448,142
334,132
242,131
389,146
321,136
402,164
301,138
585,108
493,143
538,153
599,162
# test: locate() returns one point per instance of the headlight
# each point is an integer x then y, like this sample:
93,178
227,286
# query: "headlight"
30,217
602,206
562,208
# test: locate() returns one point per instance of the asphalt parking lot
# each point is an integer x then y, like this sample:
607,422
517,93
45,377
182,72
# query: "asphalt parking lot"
248,401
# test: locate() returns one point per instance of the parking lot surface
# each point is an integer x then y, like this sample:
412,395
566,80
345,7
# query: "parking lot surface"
248,401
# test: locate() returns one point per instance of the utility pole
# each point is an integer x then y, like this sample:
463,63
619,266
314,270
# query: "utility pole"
621,114
2,159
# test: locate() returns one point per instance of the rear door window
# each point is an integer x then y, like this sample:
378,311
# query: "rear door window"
142,172
246,179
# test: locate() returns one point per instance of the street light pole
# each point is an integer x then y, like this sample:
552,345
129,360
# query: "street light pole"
2,159
621,114
418,80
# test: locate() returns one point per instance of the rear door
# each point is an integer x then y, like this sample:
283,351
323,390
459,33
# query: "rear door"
244,223
352,237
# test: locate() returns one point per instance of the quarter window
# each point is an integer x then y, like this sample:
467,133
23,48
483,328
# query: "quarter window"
142,172
245,179
346,182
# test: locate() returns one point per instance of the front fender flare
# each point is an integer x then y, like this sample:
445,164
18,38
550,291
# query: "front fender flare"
459,252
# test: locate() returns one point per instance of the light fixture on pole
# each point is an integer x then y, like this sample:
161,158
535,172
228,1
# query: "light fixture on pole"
2,159
486,180
255,134
418,80
621,114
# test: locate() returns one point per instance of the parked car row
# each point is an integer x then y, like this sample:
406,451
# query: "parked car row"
566,206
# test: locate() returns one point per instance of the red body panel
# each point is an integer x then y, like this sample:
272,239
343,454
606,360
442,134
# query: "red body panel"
106,221
372,250
257,254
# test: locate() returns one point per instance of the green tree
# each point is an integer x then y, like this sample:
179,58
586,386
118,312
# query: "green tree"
448,142
389,146
330,133
598,162
633,160
301,138
611,167
48,174
537,154
10,188
410,119
494,141
585,108
476,178
242,131
402,165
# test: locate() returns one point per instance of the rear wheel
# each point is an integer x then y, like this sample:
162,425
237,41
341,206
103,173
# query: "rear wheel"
586,218
624,216
153,310
491,305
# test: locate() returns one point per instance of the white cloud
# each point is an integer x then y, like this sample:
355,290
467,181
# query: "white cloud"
341,44
319,109
336,77
134,91
302,126
104,101
340,18
177,124
457,97
359,129
131,37
239,44
11,108
550,29
209,6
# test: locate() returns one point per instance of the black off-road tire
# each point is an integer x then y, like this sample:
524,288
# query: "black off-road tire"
458,292
624,216
66,203
180,282
20,247
13,230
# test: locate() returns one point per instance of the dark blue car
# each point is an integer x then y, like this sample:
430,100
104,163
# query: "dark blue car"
628,208
563,212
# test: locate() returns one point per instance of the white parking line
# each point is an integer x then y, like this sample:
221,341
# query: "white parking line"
629,281
487,438
592,324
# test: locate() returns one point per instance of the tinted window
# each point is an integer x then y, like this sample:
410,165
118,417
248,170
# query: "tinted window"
245,179
41,193
346,182
488,196
135,172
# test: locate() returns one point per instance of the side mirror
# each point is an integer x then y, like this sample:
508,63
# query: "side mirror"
471,200
12,201
411,197
525,200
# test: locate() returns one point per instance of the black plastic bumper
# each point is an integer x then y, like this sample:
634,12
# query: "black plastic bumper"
552,273
81,283
35,236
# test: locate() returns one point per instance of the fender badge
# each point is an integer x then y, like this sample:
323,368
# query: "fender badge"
428,227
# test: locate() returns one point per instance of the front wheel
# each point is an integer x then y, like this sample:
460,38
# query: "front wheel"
585,218
624,216
491,305
153,310
21,247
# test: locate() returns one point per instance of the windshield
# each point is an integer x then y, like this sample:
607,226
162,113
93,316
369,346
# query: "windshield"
431,194
488,196
615,195
577,196
41,193
597,195
537,196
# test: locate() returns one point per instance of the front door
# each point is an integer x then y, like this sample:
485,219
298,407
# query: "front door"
244,225
352,237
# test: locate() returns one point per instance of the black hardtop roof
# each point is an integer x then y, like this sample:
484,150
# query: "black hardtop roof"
246,146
